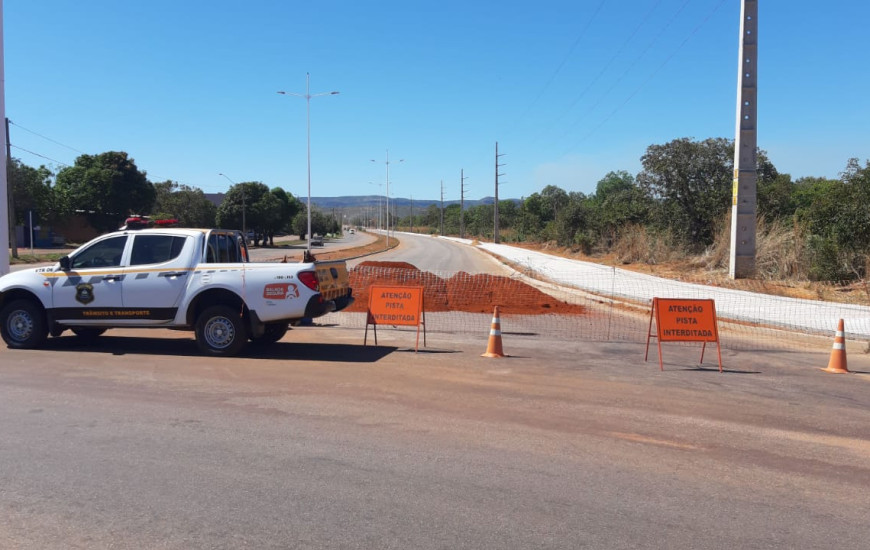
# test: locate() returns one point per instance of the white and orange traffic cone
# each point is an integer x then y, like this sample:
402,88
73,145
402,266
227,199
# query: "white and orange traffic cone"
493,347
837,363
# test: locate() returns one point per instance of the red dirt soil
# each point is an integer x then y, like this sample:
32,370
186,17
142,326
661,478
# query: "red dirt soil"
461,292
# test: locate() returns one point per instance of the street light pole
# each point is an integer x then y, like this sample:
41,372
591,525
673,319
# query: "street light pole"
242,188
388,195
307,95
379,202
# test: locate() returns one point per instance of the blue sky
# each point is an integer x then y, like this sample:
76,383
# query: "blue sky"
569,89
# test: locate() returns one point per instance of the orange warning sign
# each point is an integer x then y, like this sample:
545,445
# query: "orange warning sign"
683,320
679,320
395,305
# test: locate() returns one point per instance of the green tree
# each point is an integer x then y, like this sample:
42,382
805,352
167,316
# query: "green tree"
539,212
289,207
856,179
32,190
300,223
552,199
106,188
691,182
451,219
508,214
572,223
269,210
244,207
320,223
808,189
478,221
618,202
431,218
186,204
776,198
835,214
534,217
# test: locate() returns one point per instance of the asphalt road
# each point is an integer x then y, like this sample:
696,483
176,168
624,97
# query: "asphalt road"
433,254
294,251
318,442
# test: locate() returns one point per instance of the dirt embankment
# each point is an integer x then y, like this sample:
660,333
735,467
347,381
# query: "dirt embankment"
461,292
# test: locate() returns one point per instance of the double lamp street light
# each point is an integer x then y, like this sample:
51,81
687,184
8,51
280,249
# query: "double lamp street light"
388,194
307,95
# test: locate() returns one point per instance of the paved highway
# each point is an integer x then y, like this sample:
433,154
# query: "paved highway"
318,442
294,252
433,254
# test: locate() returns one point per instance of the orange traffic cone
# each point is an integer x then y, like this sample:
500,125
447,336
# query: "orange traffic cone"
837,363
493,347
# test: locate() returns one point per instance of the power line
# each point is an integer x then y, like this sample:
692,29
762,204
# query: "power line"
157,177
648,79
612,59
38,155
562,64
47,138
627,70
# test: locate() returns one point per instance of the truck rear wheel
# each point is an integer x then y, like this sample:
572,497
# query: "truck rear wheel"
22,324
272,333
220,331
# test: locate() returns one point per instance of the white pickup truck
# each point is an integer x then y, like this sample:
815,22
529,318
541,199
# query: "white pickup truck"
193,279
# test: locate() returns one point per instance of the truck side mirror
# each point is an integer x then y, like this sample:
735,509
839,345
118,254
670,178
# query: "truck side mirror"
64,263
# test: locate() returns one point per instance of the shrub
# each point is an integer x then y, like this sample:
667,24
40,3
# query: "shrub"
825,264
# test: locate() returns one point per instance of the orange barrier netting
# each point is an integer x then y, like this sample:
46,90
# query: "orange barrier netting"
458,302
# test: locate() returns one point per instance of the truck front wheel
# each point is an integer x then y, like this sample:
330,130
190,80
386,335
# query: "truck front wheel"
220,330
88,335
22,325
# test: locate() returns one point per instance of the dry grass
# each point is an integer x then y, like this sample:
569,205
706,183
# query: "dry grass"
637,243
780,250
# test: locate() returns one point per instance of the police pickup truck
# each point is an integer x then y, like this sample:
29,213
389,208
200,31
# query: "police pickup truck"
189,279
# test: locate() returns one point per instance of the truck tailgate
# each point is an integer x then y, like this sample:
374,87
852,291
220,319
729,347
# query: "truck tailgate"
334,282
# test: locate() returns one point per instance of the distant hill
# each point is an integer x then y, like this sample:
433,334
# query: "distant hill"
326,203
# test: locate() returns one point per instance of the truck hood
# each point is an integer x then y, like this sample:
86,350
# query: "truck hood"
25,277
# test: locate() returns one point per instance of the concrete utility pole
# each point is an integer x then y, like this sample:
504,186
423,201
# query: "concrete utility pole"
743,203
4,184
442,207
495,236
462,203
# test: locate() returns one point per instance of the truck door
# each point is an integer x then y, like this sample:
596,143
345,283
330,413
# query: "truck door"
91,291
156,276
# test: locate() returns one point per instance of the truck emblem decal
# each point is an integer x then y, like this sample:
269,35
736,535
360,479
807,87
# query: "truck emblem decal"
280,291
85,293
